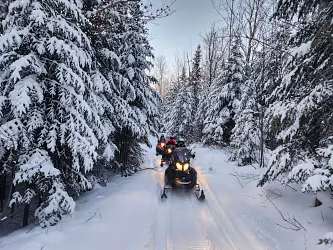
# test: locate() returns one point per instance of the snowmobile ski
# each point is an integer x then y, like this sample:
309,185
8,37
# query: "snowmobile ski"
164,195
164,192
202,196
199,192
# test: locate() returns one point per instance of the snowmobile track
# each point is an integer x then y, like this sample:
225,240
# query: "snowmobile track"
236,233
212,231
161,235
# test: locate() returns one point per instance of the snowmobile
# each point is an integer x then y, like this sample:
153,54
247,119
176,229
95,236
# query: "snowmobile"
167,153
181,175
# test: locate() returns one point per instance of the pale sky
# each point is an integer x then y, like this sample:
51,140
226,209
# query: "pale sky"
181,30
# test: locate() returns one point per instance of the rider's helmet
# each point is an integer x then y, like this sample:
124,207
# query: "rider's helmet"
181,141
172,138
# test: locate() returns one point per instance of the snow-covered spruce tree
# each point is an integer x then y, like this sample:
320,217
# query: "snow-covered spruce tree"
224,99
213,61
171,113
245,137
183,102
105,32
140,112
276,54
48,103
251,135
43,179
304,99
179,118
204,103
195,84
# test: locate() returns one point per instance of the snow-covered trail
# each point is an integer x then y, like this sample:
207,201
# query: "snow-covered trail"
129,215
183,222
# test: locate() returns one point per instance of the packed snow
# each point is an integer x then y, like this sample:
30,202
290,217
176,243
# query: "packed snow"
129,214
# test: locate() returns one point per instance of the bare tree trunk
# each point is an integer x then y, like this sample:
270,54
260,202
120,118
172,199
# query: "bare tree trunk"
26,215
12,209
261,110
160,69
2,191
188,64
214,51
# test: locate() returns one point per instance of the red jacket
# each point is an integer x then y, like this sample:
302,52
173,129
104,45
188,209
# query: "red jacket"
169,141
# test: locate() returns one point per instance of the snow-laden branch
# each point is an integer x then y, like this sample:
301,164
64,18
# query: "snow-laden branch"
164,11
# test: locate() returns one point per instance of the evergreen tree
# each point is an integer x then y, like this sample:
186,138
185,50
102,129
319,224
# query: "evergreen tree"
179,117
104,32
303,100
196,76
140,111
246,135
276,56
195,83
48,102
75,96
251,135
182,108
224,99
202,109
122,52
170,116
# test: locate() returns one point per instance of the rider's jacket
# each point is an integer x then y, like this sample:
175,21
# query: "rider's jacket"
169,141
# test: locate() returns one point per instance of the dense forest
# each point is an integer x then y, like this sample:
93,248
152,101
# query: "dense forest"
262,86
77,100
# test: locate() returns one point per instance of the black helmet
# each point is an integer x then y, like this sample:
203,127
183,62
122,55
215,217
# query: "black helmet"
172,138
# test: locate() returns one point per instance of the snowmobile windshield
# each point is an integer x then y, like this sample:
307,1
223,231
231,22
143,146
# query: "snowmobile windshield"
182,155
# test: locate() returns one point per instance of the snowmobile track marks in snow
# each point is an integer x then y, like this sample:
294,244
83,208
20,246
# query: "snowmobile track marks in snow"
185,228
160,236
236,232
215,237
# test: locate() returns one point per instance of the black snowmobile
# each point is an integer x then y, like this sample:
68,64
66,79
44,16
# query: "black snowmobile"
180,174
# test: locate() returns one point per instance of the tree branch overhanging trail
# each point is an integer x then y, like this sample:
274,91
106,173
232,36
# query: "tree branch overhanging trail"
162,12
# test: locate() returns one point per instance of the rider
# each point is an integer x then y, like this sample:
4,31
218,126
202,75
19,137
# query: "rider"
171,140
162,139
160,145
181,142
169,171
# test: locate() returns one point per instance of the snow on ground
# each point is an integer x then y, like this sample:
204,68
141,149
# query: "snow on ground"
256,211
128,214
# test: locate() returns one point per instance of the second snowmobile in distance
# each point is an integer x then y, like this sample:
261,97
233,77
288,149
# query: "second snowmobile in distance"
180,174
167,153
169,147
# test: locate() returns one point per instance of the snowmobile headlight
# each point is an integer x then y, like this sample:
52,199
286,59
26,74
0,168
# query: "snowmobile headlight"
186,165
179,166
169,150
